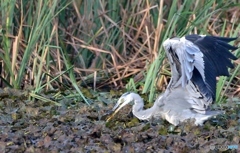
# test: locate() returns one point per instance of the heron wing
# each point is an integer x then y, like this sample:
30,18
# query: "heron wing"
199,60
184,57
190,58
217,60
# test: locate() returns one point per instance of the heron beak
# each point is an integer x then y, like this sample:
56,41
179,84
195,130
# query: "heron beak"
120,104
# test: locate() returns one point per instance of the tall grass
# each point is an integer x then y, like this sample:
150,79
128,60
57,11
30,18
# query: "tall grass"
61,44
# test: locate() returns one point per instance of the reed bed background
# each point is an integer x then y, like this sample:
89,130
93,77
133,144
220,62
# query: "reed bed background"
51,45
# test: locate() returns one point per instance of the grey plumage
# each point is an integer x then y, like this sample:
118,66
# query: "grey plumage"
201,59
195,63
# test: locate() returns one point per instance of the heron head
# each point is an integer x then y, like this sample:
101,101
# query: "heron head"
125,99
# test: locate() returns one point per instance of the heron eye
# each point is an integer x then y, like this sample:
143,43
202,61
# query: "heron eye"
122,100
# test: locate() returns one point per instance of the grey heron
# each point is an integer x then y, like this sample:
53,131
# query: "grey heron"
195,62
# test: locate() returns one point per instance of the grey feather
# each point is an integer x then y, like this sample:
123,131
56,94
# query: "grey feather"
195,63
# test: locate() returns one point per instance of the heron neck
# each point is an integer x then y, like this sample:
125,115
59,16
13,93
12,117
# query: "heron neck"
143,114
